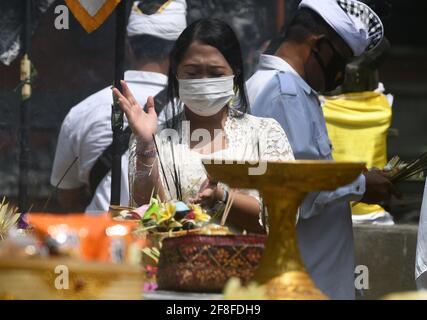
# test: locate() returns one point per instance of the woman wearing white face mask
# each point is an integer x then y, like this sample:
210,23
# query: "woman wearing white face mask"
206,75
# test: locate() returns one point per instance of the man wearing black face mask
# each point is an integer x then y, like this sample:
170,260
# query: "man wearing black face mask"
323,36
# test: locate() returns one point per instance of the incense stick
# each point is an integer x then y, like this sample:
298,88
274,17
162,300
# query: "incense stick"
407,171
57,185
176,180
227,208
410,169
161,165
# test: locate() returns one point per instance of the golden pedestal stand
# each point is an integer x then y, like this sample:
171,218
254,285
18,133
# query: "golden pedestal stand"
283,187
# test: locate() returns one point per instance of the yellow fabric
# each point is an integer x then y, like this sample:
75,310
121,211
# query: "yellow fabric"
357,125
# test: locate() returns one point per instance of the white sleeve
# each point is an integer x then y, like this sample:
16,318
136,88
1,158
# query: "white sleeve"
64,156
316,202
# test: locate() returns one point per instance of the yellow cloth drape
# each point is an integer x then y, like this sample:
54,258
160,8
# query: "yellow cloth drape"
357,125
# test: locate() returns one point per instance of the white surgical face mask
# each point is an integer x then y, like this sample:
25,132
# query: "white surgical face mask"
207,96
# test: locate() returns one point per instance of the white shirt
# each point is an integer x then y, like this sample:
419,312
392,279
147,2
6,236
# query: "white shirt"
86,132
421,258
268,66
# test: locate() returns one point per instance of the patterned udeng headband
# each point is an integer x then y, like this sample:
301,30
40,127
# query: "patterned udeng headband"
368,17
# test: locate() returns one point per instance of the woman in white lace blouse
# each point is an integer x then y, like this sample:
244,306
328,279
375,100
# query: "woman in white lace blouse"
206,74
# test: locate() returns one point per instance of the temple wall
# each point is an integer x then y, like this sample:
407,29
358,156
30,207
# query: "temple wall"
388,252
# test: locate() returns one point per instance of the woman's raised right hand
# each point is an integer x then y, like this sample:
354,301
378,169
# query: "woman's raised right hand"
143,124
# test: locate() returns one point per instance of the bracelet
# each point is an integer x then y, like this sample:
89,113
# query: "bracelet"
141,150
143,174
147,154
148,165
225,196
147,168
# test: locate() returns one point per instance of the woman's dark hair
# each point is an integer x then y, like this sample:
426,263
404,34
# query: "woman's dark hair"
215,33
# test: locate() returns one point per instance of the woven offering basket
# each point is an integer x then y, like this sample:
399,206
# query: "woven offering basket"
154,239
204,263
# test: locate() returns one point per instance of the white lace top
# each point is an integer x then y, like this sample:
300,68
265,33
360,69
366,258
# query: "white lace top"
248,138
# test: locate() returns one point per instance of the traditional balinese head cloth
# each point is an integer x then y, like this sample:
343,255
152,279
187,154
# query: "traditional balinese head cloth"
356,23
167,23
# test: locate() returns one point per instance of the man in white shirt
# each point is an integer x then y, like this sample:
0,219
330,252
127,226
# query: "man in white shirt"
86,131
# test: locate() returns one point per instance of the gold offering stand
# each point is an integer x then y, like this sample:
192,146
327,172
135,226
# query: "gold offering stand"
283,187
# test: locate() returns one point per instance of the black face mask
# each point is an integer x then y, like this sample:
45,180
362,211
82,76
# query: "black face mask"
335,70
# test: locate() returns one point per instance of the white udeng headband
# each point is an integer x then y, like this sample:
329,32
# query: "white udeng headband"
167,23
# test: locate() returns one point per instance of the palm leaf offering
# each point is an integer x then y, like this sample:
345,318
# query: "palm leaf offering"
168,216
152,211
9,217
173,216
401,171
153,253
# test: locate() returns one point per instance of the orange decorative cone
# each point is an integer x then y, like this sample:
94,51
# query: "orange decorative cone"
91,14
